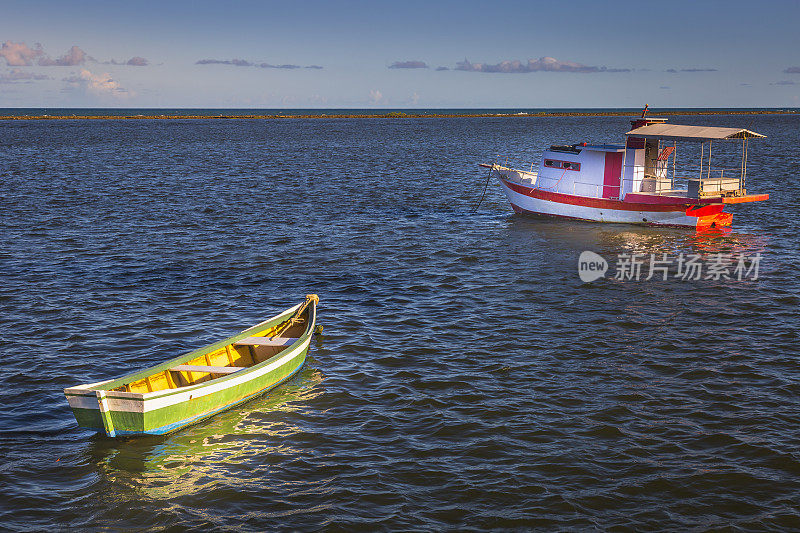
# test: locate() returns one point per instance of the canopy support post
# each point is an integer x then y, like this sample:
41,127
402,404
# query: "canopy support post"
702,156
744,174
709,159
674,162
741,173
622,175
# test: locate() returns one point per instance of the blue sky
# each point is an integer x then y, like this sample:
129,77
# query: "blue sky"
404,54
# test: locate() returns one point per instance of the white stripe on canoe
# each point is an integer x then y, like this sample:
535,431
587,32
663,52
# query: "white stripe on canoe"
152,401
82,389
89,402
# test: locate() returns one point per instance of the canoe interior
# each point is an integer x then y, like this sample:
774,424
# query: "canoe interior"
229,355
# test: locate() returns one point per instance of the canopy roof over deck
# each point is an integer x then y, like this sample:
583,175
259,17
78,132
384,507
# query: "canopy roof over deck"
692,133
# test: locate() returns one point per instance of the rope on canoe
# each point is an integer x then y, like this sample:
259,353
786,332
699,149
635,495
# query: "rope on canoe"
296,317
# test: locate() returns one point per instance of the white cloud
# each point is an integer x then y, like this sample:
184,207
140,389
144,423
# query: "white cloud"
135,61
100,84
675,70
19,76
234,62
375,97
19,54
74,56
246,63
543,64
409,64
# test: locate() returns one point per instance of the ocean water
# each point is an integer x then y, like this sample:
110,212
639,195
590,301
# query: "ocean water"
466,378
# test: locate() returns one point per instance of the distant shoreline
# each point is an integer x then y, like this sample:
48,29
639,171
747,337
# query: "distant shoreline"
395,115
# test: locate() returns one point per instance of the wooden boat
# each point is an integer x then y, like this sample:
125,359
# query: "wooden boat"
638,182
194,386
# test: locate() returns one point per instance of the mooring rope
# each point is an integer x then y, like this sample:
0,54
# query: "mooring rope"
486,186
296,317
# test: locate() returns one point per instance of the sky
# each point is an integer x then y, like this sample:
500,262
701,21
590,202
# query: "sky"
410,54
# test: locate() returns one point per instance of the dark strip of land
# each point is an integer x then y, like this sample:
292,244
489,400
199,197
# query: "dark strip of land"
393,115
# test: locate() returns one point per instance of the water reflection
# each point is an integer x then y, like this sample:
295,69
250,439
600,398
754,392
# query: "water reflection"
615,239
208,453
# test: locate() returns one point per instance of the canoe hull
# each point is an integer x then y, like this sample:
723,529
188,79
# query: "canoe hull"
149,417
118,413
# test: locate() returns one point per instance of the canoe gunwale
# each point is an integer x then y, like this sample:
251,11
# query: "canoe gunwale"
106,385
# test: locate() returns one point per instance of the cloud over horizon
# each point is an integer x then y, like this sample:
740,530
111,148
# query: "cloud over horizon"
135,61
100,84
268,65
234,62
22,55
245,63
19,54
792,70
543,64
74,56
19,76
409,64
673,70
375,97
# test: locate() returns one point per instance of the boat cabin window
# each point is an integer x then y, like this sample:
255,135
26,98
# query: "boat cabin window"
566,165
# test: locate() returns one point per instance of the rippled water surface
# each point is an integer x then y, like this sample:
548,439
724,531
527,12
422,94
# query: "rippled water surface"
466,377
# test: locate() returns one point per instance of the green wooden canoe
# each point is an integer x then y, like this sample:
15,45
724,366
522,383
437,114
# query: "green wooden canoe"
196,385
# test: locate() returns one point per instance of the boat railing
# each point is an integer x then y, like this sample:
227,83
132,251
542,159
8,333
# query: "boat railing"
600,189
581,188
695,181
505,162
698,180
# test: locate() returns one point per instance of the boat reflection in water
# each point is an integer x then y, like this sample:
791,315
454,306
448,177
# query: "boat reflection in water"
203,455
646,241
566,240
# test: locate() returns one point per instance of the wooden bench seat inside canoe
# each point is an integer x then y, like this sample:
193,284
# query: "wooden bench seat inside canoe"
264,341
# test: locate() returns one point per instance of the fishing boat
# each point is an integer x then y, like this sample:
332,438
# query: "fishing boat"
639,181
194,386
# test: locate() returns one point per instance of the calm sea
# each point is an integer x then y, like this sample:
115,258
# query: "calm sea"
466,377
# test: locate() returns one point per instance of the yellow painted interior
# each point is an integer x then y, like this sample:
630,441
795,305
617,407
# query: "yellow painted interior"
229,355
